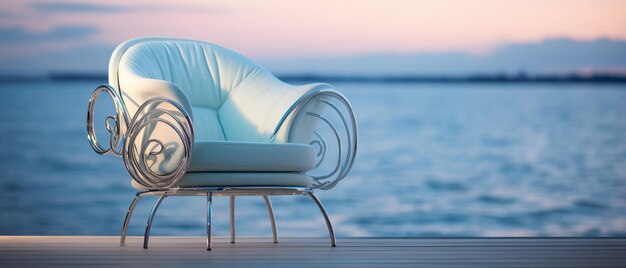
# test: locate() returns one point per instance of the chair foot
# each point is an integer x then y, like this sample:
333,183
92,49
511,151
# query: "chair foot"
129,214
331,233
146,235
270,211
209,208
232,219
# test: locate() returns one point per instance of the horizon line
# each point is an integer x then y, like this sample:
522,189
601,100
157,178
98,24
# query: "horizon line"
596,77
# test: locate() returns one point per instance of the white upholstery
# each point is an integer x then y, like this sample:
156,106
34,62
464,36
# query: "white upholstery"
231,97
251,156
235,105
216,179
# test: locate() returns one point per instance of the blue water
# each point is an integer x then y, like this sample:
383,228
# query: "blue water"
434,160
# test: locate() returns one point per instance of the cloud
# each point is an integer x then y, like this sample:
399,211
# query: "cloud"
18,35
74,7
559,53
85,58
6,14
553,55
548,56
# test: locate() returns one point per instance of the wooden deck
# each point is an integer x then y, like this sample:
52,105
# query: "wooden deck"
64,251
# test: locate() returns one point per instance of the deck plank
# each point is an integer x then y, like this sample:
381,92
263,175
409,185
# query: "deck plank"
64,251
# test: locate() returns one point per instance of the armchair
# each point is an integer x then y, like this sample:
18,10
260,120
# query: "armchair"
196,119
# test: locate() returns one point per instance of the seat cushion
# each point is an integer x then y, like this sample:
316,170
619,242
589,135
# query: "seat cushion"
228,156
219,179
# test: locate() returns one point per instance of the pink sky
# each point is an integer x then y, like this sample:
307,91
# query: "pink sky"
282,29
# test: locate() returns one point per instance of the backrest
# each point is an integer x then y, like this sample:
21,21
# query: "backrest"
221,85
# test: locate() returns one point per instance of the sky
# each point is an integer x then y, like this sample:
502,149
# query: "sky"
36,36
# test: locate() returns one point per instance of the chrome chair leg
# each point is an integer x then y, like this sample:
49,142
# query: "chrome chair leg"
331,233
146,235
270,211
209,208
232,219
129,214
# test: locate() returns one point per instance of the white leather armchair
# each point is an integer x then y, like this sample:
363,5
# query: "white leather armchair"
193,118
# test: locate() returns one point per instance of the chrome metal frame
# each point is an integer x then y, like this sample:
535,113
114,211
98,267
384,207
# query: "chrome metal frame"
123,132
209,192
270,211
346,151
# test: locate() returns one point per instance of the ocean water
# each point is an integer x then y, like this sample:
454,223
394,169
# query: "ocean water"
434,160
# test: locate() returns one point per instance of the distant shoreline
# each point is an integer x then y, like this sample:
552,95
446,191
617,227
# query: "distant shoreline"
478,78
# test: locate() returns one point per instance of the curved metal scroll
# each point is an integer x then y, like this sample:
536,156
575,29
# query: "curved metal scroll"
334,135
116,131
131,139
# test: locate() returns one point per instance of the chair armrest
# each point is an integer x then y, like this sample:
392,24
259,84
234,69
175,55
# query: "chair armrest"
149,141
323,118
